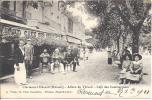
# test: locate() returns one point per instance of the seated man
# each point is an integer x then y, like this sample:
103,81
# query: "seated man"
44,60
68,60
57,62
74,58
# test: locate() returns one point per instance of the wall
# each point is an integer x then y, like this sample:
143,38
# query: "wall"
50,18
36,14
19,9
79,29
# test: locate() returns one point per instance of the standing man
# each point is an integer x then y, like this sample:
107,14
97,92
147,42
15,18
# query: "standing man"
109,56
74,54
29,52
68,61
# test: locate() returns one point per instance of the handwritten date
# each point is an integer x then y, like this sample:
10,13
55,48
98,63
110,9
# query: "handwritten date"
120,92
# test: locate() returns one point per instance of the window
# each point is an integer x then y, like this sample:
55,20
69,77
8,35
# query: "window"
52,13
70,26
6,4
64,28
14,5
61,5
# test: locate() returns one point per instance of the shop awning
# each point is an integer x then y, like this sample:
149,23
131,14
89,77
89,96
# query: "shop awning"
25,26
73,39
55,42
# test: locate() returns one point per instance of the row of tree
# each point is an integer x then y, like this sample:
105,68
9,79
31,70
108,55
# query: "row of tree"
120,18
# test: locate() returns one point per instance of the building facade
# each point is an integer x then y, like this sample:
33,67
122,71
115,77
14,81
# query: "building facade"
35,19
50,16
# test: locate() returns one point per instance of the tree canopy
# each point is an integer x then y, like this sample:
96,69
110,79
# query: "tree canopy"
120,17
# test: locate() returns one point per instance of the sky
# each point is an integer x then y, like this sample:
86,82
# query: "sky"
79,10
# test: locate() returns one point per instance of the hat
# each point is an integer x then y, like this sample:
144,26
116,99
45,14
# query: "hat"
136,54
28,39
56,50
45,50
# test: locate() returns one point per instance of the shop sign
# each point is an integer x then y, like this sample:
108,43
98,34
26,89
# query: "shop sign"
11,31
27,33
74,40
22,32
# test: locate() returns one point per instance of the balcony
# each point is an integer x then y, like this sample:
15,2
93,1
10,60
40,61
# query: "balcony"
11,15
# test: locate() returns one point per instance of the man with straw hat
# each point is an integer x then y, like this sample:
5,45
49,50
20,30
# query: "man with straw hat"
29,52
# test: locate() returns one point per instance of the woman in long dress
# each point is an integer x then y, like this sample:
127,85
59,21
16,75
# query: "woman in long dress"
19,66
127,63
136,73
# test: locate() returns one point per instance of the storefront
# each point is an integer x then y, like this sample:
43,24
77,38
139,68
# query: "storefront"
11,33
74,41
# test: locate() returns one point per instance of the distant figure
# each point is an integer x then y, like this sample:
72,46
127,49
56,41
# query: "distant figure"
115,58
29,52
109,57
20,70
81,54
114,55
84,54
87,54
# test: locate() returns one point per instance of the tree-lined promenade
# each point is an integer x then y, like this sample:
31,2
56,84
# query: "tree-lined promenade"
120,18
92,71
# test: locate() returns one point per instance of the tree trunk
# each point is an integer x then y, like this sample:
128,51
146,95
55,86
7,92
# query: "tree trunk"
124,41
118,45
135,41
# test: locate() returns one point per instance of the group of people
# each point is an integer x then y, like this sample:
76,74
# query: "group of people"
131,69
64,61
131,66
23,62
60,60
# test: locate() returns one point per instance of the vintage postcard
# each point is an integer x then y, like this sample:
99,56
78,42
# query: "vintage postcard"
75,49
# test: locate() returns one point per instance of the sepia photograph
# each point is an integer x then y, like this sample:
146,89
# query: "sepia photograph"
75,49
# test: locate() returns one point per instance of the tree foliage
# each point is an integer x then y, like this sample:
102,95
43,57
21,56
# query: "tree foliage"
116,14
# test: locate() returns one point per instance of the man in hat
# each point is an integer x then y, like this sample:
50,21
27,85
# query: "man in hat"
75,55
44,59
68,60
29,52
57,62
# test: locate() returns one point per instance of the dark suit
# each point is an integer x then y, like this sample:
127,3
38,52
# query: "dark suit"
74,56
19,57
